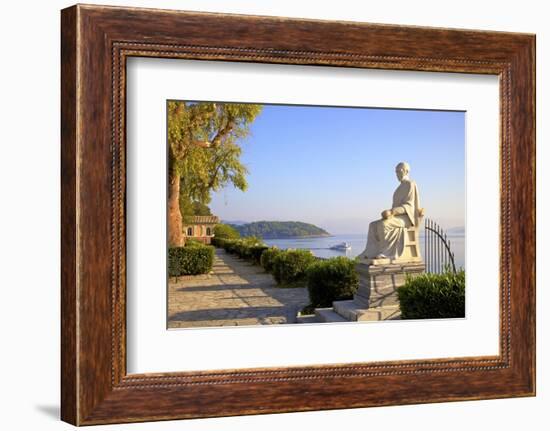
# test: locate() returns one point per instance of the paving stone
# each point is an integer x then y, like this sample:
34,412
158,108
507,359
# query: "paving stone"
235,293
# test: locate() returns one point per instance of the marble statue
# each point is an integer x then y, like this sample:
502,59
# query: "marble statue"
395,236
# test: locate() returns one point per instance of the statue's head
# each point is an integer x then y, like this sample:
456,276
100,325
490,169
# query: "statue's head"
402,170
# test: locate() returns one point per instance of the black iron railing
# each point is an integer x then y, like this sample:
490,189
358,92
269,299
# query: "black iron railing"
438,255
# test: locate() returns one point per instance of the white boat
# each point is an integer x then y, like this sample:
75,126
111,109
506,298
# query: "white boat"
344,246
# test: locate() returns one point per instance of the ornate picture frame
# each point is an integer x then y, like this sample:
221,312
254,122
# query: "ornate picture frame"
96,41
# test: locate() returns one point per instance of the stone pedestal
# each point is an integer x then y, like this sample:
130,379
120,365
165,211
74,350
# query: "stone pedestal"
378,283
376,297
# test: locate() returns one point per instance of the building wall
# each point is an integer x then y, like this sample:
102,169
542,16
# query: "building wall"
199,232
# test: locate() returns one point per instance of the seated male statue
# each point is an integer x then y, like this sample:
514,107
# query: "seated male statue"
387,237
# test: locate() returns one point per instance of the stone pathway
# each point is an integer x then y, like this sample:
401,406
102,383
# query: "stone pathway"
236,293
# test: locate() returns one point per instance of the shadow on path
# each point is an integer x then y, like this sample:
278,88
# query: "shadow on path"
235,293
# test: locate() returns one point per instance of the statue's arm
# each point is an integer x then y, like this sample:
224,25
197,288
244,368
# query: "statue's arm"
398,211
393,212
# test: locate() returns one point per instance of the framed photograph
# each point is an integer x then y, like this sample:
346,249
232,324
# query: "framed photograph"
329,214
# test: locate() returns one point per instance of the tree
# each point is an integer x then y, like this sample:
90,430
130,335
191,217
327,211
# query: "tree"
204,154
226,231
192,208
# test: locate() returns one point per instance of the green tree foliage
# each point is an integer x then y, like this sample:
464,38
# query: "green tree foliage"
204,153
204,148
193,208
225,231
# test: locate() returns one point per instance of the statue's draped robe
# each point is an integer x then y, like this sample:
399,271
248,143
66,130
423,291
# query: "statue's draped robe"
387,236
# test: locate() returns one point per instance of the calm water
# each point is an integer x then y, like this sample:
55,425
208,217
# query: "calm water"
320,246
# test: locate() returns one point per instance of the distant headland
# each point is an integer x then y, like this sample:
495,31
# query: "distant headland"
280,229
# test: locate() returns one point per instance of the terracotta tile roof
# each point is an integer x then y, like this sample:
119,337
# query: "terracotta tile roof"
202,220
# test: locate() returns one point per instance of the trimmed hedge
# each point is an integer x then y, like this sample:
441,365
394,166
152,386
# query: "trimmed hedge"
331,280
242,249
250,248
197,259
433,296
290,266
256,252
193,243
230,245
220,242
268,257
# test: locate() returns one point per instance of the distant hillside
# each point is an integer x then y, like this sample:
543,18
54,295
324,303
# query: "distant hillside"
234,222
280,229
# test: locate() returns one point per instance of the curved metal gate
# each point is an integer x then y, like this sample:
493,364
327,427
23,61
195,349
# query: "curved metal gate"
438,255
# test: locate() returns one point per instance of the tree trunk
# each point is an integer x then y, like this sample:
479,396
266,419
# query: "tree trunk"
175,219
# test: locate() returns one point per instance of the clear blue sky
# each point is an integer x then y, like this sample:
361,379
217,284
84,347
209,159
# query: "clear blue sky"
334,167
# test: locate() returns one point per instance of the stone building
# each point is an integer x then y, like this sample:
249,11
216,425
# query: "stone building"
200,228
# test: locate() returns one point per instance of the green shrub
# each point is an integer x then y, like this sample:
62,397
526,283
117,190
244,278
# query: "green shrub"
239,249
433,296
242,247
218,242
190,260
230,245
256,252
289,266
268,257
331,280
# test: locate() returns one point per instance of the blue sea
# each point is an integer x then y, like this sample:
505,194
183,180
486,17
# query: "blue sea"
321,246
